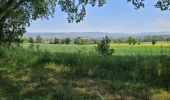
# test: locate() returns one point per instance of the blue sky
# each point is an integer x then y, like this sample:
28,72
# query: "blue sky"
114,16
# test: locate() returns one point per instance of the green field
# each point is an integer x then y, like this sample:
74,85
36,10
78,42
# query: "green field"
77,72
120,49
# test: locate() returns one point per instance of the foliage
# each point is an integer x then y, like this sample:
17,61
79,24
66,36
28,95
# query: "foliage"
103,47
25,40
81,41
158,38
168,39
130,40
56,41
37,46
161,4
77,40
29,73
134,41
16,15
153,40
31,40
38,39
67,40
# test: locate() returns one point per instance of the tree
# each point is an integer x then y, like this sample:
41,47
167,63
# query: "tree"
16,15
153,40
134,41
103,47
38,39
67,40
167,39
77,40
161,4
56,41
130,40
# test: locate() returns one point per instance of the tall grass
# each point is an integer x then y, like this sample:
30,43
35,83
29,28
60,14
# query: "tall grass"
83,74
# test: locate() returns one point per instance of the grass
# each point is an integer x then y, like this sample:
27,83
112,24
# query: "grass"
121,49
75,72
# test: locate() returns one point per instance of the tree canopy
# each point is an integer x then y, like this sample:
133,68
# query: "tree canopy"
16,15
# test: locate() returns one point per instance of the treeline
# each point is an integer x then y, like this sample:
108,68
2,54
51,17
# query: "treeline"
78,40
136,40
85,41
158,38
165,38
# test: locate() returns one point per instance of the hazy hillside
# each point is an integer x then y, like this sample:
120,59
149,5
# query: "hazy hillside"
91,34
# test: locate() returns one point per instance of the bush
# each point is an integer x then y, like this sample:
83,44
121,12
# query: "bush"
153,40
31,40
103,47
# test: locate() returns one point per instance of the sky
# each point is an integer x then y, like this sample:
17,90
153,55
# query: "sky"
116,16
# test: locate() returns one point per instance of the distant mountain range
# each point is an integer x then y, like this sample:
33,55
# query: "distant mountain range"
91,35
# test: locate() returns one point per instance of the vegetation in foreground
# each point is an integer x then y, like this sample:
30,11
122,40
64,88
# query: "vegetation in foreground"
39,74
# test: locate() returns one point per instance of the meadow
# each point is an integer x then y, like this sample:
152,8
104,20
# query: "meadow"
120,49
77,72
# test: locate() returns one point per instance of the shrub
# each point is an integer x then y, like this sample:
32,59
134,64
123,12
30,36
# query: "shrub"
103,47
153,40
31,40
